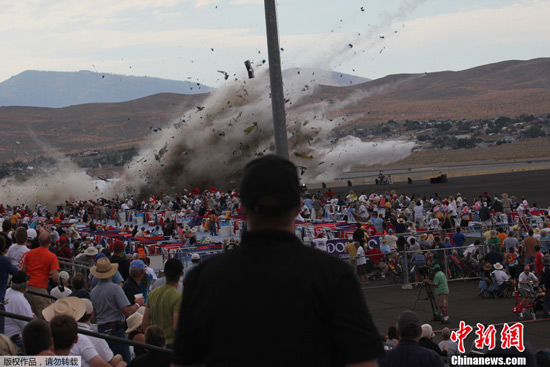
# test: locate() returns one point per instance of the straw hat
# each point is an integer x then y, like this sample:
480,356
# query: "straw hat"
134,321
103,269
487,266
7,348
498,266
71,306
91,251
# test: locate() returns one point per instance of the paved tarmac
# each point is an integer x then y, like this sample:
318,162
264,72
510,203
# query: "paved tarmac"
385,304
534,185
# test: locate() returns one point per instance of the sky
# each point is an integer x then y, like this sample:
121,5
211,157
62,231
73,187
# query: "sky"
193,39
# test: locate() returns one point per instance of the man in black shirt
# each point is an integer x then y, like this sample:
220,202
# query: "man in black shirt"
273,301
408,352
359,235
131,286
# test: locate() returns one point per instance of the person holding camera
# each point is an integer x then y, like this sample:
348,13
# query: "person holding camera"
441,291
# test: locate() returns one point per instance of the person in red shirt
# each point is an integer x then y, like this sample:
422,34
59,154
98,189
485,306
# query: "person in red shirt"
63,249
40,264
539,256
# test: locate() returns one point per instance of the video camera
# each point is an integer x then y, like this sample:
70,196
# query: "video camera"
426,271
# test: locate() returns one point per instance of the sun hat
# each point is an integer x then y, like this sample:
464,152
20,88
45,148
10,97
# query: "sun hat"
134,321
487,266
7,347
71,306
103,269
90,251
498,266
89,305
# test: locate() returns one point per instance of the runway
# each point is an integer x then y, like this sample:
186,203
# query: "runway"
533,185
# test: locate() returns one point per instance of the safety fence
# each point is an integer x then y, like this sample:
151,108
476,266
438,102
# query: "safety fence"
95,334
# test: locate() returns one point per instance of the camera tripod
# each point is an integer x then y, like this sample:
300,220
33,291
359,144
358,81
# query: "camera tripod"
425,293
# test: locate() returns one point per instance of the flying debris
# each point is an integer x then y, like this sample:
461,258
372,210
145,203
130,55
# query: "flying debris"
249,69
303,155
362,8
200,108
350,45
225,74
249,129
382,37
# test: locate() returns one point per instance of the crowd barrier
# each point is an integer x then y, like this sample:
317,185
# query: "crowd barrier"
95,334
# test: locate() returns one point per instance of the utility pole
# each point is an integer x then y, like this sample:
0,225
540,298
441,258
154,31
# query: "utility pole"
276,79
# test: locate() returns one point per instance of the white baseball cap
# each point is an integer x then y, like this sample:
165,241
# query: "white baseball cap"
31,234
195,256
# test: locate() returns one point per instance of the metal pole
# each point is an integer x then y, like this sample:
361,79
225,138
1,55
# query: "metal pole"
276,79
94,334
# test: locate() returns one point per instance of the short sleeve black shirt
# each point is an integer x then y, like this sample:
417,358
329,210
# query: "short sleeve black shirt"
274,302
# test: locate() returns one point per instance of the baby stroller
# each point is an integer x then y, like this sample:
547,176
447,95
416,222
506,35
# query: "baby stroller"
528,301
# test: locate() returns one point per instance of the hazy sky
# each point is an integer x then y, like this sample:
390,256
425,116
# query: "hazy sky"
173,38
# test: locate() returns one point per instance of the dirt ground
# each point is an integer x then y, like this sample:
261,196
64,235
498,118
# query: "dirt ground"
385,304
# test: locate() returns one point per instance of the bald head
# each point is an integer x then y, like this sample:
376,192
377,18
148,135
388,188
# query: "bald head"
44,239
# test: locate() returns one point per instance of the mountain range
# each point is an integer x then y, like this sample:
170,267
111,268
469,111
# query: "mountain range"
56,89
507,88
61,89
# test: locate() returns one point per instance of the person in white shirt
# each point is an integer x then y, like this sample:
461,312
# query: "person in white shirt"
62,290
391,239
526,277
19,248
101,346
62,317
15,302
499,274
419,214
149,270
362,271
321,242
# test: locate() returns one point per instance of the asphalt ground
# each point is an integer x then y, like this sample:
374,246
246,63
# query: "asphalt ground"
533,185
386,302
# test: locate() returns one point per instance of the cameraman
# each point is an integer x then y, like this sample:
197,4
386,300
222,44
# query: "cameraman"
441,291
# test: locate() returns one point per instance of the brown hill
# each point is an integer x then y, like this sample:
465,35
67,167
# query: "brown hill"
31,131
507,88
